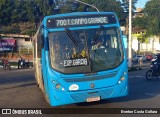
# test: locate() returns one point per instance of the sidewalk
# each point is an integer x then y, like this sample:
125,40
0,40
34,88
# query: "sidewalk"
146,65
12,67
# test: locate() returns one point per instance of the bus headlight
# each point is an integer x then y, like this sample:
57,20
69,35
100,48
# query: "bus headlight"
57,86
121,80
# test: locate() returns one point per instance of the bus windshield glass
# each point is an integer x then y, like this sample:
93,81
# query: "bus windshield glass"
96,50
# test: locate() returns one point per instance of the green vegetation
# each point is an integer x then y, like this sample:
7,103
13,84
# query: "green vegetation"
19,11
150,22
15,13
152,10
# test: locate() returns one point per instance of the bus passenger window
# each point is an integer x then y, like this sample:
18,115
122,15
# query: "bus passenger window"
39,46
56,48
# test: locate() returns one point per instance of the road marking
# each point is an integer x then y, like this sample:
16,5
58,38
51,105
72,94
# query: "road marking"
136,76
151,94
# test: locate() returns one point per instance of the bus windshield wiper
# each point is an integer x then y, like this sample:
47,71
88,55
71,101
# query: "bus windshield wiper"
70,34
98,34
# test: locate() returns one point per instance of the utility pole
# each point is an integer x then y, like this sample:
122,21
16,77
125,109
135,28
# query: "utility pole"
88,5
130,36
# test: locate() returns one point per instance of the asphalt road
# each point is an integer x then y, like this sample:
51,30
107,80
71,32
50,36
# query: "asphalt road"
18,89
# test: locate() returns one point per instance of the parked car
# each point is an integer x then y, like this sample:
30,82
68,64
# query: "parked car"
136,58
141,56
149,57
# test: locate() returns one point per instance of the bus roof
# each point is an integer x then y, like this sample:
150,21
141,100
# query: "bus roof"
78,13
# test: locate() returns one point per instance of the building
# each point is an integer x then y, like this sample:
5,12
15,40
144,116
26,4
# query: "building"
152,46
21,41
14,46
138,13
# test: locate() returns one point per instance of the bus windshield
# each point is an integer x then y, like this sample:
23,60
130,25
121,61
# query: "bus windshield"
96,50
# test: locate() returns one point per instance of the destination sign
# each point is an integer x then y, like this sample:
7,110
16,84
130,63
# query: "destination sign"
75,62
86,20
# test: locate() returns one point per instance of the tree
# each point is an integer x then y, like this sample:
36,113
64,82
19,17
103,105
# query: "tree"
18,11
109,6
103,5
120,8
152,11
140,22
125,5
5,11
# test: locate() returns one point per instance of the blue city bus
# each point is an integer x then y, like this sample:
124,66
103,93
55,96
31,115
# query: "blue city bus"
80,57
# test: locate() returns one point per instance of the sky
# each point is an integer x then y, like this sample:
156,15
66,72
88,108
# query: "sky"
141,3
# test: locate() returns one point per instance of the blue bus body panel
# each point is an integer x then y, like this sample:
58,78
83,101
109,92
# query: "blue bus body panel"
58,98
106,83
101,79
105,88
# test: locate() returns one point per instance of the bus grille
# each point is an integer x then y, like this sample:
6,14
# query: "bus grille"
82,97
87,79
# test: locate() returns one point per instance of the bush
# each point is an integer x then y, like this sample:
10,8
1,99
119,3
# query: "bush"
10,30
29,32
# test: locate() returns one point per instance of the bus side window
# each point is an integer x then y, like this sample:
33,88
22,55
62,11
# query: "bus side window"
42,41
34,47
39,47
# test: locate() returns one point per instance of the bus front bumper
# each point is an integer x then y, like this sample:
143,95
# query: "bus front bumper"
58,98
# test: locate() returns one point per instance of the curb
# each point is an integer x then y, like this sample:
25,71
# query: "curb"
11,66
137,68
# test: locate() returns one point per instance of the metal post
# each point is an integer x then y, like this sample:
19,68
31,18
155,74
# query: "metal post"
87,4
28,50
130,36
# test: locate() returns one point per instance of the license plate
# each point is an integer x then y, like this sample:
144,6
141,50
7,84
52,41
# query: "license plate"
93,99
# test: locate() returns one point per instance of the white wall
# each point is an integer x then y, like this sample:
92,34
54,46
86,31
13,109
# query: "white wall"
134,44
152,46
21,43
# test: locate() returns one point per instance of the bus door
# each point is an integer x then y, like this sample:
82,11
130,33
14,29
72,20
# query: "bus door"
39,62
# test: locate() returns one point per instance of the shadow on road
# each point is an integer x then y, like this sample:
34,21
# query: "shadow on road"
139,89
12,77
18,86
